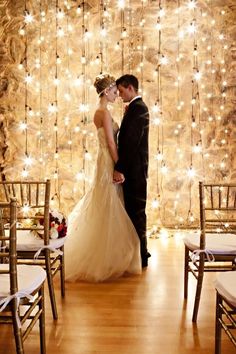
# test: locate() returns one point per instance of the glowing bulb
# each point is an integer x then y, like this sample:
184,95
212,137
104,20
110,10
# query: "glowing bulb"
197,148
56,81
28,79
156,121
156,108
164,169
23,126
22,32
28,18
60,14
80,176
117,46
24,173
103,32
28,161
164,60
197,76
124,33
191,28
155,204
121,4
159,156
60,32
78,81
191,172
26,209
191,217
83,60
162,12
67,96
87,156
191,4
52,108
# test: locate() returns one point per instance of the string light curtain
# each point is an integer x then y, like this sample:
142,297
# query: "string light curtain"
65,65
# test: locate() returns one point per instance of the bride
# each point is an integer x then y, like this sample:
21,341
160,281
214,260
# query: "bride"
102,243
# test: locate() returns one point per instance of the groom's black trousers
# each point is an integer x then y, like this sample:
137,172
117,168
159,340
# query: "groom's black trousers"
135,195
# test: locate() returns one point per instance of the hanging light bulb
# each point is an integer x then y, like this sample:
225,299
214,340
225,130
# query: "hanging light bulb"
80,175
163,60
191,28
197,76
60,14
191,172
29,18
24,173
28,160
155,203
192,4
28,78
25,208
164,168
121,4
23,126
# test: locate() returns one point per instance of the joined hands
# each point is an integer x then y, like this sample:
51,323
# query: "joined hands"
118,177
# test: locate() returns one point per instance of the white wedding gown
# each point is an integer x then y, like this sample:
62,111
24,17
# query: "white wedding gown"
102,243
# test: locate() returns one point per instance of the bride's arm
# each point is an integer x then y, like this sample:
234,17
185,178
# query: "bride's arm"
107,125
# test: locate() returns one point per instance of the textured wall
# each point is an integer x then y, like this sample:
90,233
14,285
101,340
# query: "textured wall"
75,137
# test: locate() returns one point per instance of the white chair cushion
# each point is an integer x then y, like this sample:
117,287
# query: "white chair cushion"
29,279
215,243
27,241
225,284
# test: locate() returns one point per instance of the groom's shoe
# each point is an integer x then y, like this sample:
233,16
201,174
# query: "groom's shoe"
145,260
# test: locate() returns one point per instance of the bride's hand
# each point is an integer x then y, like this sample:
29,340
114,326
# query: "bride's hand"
118,177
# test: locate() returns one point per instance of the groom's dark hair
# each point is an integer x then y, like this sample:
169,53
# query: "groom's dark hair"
126,80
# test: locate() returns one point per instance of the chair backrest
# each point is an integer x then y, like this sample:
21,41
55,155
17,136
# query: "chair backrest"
9,211
217,209
33,199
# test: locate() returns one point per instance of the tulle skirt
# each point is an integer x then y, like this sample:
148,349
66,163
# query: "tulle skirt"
102,243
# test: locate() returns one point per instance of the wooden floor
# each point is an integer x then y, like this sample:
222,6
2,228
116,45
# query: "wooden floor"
134,315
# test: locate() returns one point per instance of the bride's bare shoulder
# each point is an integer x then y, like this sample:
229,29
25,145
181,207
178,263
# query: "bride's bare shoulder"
100,115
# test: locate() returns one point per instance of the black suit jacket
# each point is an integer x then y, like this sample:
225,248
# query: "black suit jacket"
133,141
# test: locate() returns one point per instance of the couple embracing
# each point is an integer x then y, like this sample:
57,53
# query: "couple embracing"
107,228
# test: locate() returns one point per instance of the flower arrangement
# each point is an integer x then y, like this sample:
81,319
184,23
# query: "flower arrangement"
57,224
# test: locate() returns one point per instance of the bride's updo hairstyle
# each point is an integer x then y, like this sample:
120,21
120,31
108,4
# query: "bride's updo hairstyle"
103,82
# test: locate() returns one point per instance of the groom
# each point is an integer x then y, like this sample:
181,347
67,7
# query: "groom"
133,157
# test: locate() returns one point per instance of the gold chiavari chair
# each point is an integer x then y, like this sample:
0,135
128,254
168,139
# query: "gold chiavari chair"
33,199
21,286
225,285
214,249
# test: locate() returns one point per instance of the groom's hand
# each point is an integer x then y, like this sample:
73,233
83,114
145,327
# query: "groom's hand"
118,177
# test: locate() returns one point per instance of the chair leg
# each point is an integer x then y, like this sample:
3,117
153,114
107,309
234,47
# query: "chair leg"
42,322
186,265
62,272
50,284
217,324
199,288
17,330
